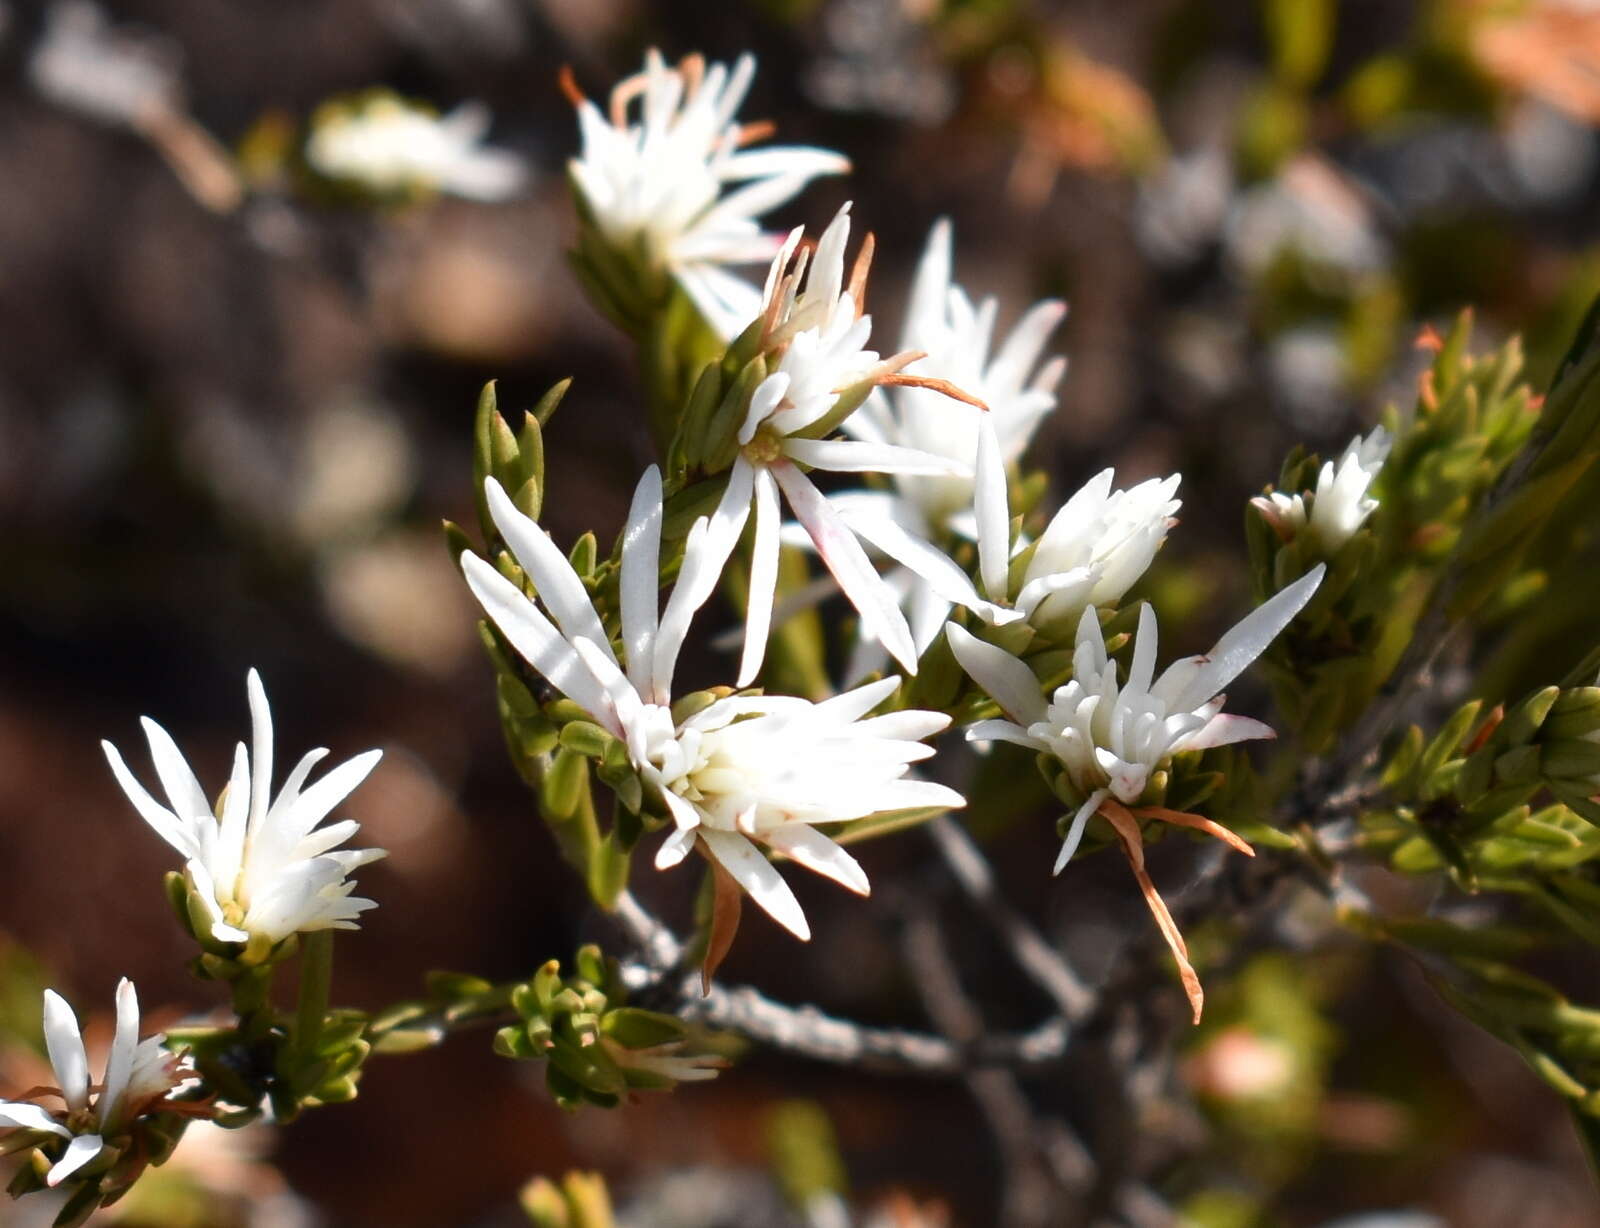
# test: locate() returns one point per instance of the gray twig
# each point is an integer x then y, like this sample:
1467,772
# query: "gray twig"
1035,956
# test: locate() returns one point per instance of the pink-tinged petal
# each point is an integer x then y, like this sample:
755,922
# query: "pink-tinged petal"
763,592
64,1043
993,513
1009,682
676,846
119,1065
1244,643
165,824
840,552
808,847
759,878
558,585
1075,833
640,578
80,1151
25,1116
534,637
764,400
1224,731
260,750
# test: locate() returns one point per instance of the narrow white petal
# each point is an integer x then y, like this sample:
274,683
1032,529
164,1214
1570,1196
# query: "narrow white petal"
676,846
993,512
925,309
533,636
312,806
759,878
1075,832
1144,652
1009,681
25,1116
640,579
187,798
80,1151
123,1043
874,600
558,585
767,397
260,750
808,847
1004,731
859,456
926,560
167,825
64,1043
705,554
763,590
1246,641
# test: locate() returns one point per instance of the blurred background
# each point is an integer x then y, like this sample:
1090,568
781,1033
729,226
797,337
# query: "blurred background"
235,403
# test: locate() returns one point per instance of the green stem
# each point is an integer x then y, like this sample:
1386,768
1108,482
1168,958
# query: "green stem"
252,992
316,977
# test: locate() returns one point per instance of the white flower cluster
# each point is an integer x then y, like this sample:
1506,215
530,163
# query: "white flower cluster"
940,424
138,1074
1341,502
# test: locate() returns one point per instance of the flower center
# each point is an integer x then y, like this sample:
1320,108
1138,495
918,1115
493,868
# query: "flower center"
765,448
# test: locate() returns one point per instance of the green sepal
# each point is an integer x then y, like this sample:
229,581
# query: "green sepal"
640,1029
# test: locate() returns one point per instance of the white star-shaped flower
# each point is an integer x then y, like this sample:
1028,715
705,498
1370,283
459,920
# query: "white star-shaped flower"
260,867
747,769
138,1073
657,178
388,145
1111,737
817,333
1092,552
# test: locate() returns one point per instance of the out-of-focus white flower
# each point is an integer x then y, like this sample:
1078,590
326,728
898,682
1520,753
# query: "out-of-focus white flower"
1111,737
746,768
1311,208
818,336
1340,505
259,866
389,145
138,1073
657,179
